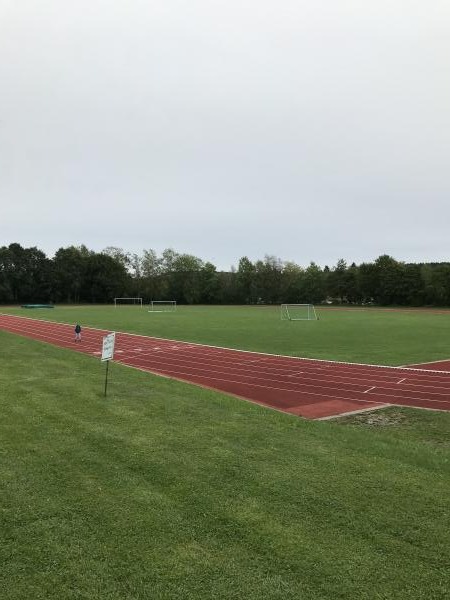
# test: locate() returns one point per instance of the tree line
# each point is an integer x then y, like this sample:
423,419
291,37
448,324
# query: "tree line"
78,275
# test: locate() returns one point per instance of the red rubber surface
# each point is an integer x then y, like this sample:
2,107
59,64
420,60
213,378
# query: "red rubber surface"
309,388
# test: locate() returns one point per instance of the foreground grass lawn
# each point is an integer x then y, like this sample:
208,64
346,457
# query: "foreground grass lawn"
368,336
167,491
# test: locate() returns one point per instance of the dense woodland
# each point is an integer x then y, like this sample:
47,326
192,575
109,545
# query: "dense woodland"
77,274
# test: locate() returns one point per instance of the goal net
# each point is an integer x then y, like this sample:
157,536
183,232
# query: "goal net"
298,312
162,306
127,302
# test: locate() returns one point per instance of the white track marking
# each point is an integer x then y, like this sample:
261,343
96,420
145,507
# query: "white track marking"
50,325
200,360
196,363
216,357
187,373
404,379
262,354
182,375
370,389
429,362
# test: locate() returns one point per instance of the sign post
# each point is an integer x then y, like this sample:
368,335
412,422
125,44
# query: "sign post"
108,353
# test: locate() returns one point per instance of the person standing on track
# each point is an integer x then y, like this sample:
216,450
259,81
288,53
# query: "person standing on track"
78,332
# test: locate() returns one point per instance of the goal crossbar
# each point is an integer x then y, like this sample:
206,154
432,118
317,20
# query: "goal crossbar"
298,312
127,302
162,306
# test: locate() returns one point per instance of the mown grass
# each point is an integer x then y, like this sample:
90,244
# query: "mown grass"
166,490
368,336
422,426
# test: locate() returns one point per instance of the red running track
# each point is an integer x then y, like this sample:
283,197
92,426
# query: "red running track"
308,388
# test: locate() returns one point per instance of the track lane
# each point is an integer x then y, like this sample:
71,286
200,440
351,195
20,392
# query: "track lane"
306,387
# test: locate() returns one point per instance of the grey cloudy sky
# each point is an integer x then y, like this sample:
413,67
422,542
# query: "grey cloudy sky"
308,129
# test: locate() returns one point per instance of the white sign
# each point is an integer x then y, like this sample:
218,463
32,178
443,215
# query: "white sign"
108,346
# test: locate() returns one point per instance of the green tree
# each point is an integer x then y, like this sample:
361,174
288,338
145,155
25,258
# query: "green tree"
368,282
184,278
436,284
291,282
69,271
246,281
6,289
313,288
154,283
392,281
337,281
25,274
268,278
209,284
119,255
228,287
104,278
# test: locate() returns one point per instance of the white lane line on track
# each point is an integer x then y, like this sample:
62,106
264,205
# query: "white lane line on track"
172,374
242,367
170,362
241,371
212,358
221,348
182,376
429,362
51,326
187,374
386,395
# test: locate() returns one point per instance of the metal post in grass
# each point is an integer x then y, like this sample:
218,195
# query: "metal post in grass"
108,353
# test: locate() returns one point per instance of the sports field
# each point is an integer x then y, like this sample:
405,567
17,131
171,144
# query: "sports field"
375,336
167,490
311,388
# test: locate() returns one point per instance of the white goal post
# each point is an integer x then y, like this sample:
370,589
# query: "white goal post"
162,306
298,312
127,302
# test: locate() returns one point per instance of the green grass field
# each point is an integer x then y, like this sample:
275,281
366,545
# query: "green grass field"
368,336
165,490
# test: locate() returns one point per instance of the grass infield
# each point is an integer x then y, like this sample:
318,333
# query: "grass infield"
165,490
355,335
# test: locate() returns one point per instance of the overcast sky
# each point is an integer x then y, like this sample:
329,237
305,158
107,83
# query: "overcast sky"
306,129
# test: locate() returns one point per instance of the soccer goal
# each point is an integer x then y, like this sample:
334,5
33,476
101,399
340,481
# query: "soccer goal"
162,306
298,312
127,302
